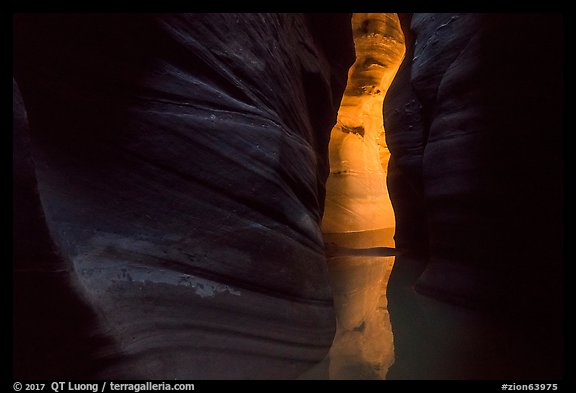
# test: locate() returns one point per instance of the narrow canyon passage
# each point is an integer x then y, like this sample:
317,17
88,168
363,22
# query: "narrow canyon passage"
358,208
219,196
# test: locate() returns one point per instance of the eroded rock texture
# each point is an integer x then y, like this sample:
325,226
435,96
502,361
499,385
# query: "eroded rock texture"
358,208
357,198
473,123
181,162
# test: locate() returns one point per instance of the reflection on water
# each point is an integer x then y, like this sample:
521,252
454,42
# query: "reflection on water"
364,345
358,211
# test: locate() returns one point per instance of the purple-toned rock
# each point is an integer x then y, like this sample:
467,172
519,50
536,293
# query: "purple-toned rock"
181,163
474,127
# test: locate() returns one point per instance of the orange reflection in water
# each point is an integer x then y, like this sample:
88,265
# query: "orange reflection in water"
358,209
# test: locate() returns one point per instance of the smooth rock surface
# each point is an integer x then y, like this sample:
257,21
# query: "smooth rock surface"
357,197
359,217
474,127
181,163
53,327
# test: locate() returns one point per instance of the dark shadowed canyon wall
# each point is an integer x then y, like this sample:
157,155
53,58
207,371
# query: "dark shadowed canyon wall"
53,327
172,183
474,127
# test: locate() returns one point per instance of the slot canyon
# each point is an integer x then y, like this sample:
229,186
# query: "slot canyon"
287,196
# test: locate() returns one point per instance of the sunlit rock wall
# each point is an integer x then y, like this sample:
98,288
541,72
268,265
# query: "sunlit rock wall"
358,209
357,196
181,163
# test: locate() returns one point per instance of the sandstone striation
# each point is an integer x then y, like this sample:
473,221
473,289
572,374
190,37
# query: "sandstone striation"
181,162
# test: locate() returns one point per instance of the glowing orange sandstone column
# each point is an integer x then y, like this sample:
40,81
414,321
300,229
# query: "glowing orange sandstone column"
358,212
357,197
